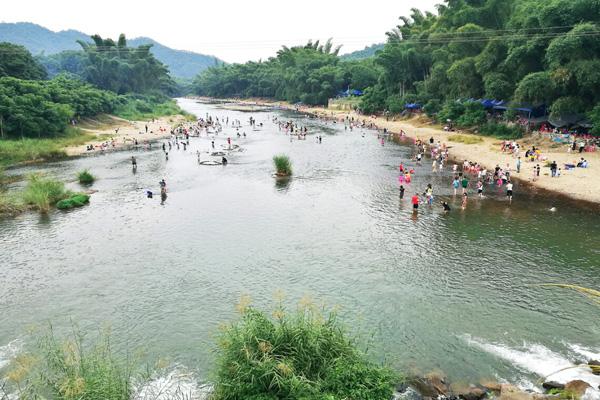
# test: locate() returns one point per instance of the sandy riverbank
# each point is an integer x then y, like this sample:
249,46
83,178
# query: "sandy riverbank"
123,132
578,183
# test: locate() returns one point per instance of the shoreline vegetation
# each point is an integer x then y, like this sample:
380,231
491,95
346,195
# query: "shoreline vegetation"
41,194
304,352
578,184
92,131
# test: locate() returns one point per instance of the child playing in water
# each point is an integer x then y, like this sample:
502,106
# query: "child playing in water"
455,184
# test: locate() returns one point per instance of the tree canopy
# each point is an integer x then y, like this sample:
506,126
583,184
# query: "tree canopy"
121,69
17,62
310,74
529,52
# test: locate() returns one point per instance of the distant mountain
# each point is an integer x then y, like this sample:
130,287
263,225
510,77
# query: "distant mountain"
367,52
38,40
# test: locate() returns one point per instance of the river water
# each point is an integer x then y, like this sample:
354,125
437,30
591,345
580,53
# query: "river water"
455,292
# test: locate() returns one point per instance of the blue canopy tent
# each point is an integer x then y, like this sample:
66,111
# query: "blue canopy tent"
350,92
412,106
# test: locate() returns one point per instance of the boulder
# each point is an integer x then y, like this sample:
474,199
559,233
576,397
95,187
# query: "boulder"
577,387
553,385
469,392
510,392
491,385
408,393
431,385
595,366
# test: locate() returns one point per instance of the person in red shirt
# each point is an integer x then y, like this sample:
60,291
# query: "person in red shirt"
415,202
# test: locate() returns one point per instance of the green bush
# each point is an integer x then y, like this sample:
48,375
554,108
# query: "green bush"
451,110
283,165
41,192
432,107
143,107
77,200
85,177
303,355
501,131
473,115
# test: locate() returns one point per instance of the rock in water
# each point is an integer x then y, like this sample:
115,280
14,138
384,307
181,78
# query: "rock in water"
510,392
407,394
595,366
553,385
491,385
431,385
578,387
470,393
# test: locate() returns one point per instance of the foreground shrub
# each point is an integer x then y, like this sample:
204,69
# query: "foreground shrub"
77,200
85,177
69,370
303,355
41,192
283,165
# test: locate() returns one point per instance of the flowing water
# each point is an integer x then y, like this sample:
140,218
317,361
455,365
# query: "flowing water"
455,292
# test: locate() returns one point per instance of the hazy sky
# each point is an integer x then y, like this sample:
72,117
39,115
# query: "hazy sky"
234,31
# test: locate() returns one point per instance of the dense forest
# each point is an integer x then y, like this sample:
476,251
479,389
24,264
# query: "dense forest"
106,77
528,53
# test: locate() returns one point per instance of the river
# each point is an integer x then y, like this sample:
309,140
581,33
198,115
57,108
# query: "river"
455,292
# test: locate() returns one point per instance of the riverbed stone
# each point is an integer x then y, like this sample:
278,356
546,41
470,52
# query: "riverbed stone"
549,385
468,392
408,393
492,386
431,385
595,366
511,392
577,387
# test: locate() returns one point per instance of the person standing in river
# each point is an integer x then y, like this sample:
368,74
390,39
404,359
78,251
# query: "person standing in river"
415,202
133,162
464,184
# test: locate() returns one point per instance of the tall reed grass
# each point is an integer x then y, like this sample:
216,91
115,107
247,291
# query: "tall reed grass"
85,177
283,165
42,192
71,369
304,354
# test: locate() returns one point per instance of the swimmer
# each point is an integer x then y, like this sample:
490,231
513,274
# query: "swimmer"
401,191
224,161
445,206
509,191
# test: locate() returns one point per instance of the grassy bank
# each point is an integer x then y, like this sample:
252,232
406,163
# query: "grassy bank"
36,150
41,194
141,108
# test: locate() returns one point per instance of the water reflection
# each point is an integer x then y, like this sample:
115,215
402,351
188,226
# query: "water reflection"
282,183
